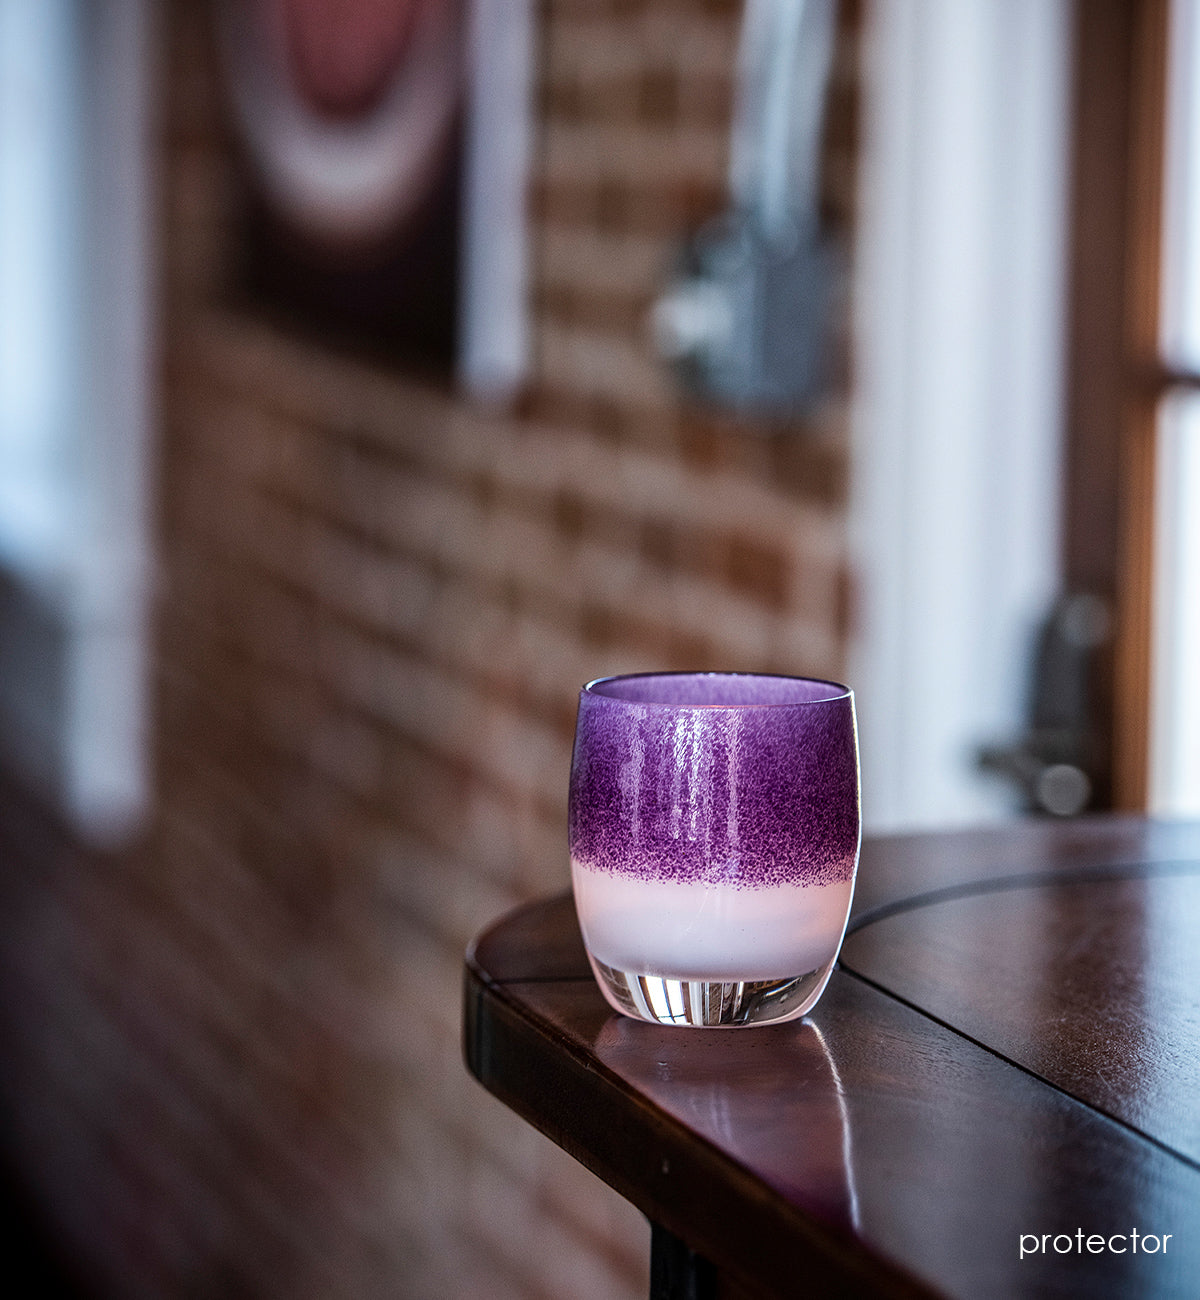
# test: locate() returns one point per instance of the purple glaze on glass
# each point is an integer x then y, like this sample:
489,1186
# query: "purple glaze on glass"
729,778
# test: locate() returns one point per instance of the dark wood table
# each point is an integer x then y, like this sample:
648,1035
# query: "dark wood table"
999,1088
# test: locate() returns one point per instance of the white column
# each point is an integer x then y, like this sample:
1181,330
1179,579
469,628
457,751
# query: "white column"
959,337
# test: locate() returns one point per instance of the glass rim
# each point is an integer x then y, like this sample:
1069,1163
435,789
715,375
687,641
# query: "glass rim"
838,691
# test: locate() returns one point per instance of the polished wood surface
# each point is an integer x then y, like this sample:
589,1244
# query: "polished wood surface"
1009,1046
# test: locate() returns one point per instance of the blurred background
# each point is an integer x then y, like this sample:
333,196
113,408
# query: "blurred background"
374,374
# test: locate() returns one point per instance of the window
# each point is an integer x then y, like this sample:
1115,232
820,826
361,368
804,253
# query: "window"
1133,458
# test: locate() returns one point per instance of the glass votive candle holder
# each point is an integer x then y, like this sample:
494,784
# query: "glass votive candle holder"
714,831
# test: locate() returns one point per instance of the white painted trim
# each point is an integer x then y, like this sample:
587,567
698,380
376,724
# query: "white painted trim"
106,749
1174,749
494,353
40,217
83,573
1174,776
959,338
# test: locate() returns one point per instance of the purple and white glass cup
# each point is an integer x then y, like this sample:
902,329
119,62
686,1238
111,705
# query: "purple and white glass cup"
714,830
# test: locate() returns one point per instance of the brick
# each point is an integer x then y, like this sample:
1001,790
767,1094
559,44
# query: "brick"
565,1264
591,46
758,571
603,365
501,1214
615,264
379,601
658,95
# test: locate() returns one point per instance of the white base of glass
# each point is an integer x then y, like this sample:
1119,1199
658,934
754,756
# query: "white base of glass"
712,931
710,1004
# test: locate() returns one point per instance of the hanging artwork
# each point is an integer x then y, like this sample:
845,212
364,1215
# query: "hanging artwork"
350,117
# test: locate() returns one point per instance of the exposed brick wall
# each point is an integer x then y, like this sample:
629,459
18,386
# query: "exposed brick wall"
378,603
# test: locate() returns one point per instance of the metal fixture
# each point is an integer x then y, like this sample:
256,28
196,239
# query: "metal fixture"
1054,763
744,318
